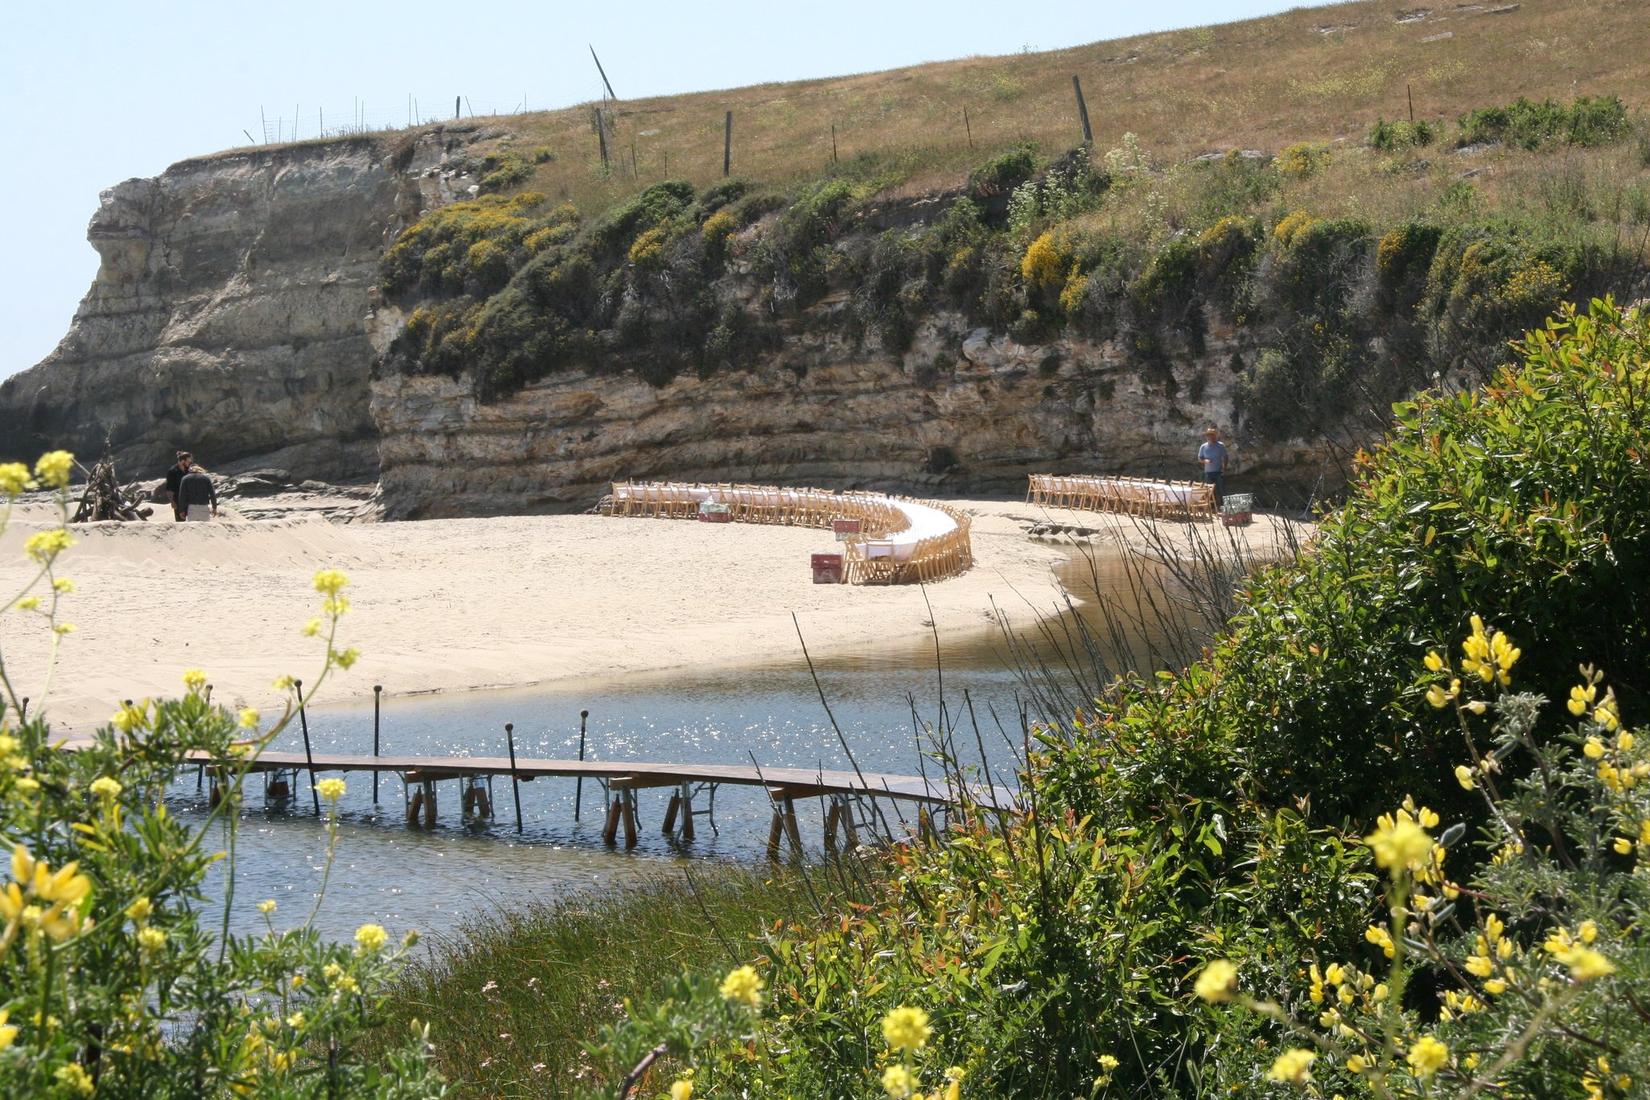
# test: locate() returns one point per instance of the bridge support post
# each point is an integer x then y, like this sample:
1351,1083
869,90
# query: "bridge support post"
629,803
791,832
610,829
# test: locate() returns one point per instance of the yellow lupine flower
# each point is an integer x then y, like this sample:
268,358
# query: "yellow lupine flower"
1427,1056
1464,776
1293,1066
1381,938
73,1076
1586,964
906,1028
1582,697
1400,844
1217,982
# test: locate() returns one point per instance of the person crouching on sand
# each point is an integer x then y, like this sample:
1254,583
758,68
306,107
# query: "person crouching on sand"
197,498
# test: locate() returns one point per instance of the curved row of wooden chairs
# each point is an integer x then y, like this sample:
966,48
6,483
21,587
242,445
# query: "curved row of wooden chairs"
1130,495
871,558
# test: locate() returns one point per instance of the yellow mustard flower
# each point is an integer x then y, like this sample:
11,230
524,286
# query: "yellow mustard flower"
106,788
897,1082
906,1028
14,478
43,546
267,906
151,939
744,986
194,679
247,719
54,468
62,585
330,789
682,1089
8,1032
329,582
371,937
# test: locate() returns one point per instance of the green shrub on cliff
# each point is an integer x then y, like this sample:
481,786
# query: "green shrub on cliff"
1588,120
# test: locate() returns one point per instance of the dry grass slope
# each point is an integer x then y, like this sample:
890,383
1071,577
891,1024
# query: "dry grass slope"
1311,74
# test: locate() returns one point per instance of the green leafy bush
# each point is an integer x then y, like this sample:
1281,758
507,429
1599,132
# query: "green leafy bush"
1392,137
1487,280
1589,120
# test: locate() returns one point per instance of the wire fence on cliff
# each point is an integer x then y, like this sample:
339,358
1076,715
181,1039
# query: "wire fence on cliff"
320,122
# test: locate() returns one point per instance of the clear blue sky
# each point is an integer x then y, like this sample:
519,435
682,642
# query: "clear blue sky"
93,92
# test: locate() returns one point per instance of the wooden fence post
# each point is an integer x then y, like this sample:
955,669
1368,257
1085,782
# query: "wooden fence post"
1082,108
727,144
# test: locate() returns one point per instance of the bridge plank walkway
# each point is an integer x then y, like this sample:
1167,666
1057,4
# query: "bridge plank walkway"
632,774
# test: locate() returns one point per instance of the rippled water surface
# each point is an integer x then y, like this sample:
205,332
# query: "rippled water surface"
406,878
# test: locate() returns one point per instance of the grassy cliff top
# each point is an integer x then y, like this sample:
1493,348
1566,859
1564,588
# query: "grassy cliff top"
1312,74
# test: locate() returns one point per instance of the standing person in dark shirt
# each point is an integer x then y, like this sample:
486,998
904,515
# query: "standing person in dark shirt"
1212,455
197,497
173,477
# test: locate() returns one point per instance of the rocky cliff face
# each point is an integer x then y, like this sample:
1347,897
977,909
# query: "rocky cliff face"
234,314
820,413
226,316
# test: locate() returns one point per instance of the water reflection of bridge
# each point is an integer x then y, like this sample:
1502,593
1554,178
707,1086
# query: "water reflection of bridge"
846,795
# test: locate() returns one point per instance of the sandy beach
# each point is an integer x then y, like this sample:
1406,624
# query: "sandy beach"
459,605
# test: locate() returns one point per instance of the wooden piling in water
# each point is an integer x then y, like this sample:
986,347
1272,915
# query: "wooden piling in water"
515,784
309,756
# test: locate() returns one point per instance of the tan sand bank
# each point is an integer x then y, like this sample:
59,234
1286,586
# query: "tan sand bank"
451,605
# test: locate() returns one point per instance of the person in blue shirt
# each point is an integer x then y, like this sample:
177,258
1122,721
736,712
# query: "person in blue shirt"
1212,454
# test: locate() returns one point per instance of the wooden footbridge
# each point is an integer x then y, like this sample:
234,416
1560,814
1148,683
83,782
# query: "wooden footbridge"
843,793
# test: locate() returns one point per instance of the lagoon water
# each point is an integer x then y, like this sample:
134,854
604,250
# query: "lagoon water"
433,881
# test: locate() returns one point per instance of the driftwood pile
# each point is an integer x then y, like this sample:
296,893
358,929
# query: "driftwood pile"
105,499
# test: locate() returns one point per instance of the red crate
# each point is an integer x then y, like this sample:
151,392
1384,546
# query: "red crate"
715,517
827,568
847,529
1237,519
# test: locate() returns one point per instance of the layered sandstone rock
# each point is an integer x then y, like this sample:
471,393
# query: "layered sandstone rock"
819,413
226,315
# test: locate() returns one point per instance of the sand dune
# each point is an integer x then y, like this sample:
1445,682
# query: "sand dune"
452,605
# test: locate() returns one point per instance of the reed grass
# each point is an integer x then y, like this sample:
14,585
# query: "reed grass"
511,998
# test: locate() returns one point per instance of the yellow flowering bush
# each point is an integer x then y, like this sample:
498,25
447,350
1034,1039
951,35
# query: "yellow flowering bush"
116,978
1532,963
